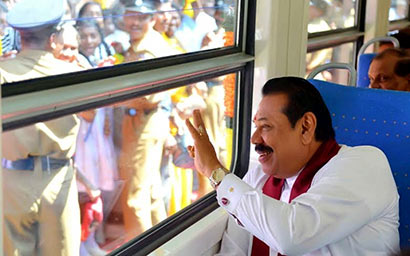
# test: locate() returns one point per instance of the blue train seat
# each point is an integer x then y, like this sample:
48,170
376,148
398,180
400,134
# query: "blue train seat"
362,69
381,118
365,59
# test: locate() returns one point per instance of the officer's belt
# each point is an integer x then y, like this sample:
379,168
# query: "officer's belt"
27,164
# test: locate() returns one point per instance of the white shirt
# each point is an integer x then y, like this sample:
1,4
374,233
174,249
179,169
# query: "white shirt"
287,188
119,36
351,208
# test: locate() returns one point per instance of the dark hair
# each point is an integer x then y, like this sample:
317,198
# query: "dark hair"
37,36
398,52
403,252
302,97
85,6
89,23
402,36
402,67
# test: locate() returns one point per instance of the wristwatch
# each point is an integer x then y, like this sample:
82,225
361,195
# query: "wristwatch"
216,176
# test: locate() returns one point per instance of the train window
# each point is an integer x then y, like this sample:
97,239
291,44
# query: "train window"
153,159
326,15
342,53
133,167
399,9
92,35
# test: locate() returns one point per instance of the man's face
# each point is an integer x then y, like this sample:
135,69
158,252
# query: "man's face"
66,46
278,144
163,17
382,76
174,24
137,24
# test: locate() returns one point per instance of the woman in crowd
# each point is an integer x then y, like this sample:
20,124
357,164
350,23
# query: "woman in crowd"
92,44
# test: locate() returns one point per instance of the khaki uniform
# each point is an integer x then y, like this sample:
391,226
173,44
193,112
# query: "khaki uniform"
143,138
41,213
153,45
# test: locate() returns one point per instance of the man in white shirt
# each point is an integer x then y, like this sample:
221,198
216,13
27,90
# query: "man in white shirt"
308,196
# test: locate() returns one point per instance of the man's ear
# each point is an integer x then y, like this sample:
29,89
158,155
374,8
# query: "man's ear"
52,41
308,127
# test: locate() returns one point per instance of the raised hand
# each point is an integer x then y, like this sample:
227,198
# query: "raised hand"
202,152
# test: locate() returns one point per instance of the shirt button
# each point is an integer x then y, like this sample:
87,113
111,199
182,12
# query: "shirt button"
224,201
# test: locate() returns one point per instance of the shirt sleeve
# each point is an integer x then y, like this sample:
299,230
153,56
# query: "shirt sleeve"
339,202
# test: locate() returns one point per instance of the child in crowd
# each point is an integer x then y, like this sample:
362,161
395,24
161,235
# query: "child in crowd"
92,44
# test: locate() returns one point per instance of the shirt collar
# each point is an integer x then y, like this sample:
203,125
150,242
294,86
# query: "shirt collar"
291,180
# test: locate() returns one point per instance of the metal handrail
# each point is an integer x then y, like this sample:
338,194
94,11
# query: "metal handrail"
349,67
394,40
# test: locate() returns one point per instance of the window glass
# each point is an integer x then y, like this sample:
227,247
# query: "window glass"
399,9
95,34
342,54
325,15
133,169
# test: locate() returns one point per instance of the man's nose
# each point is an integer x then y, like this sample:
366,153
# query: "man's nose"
375,85
256,138
167,15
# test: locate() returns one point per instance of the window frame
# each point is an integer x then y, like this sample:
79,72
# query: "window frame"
331,38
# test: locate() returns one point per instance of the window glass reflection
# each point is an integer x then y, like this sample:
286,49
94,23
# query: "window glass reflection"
399,9
104,176
327,15
95,34
342,53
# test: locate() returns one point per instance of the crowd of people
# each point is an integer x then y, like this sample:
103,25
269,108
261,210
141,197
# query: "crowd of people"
130,157
104,31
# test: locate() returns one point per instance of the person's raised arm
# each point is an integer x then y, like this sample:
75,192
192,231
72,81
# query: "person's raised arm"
203,152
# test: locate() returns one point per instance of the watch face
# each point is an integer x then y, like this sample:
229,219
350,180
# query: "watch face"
218,175
131,111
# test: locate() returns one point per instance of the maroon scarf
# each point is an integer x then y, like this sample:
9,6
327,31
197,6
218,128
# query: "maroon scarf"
273,186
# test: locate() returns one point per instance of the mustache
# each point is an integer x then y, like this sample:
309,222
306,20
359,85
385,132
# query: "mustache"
263,148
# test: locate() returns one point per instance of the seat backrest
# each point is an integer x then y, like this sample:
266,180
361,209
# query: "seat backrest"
381,118
363,68
364,59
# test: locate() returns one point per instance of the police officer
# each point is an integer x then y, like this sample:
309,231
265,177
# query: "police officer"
146,42
41,213
145,127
